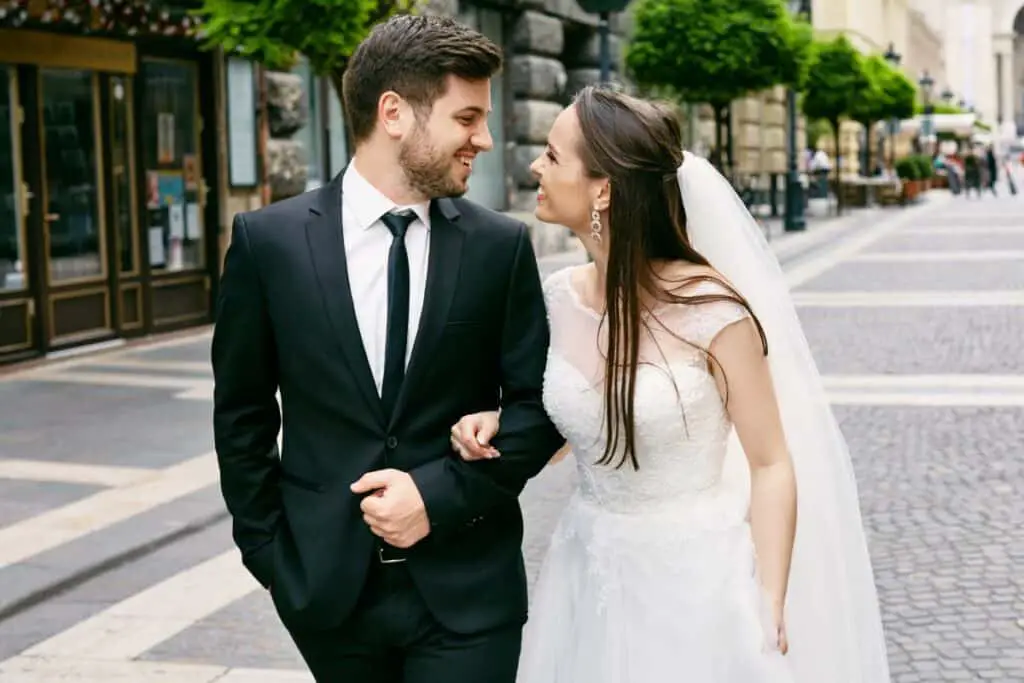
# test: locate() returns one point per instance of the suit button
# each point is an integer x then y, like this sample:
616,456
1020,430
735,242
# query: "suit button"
391,443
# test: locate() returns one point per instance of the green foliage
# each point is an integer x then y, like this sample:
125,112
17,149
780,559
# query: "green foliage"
716,52
835,80
937,107
900,93
872,105
274,31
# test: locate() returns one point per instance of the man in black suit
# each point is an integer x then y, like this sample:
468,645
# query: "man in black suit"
384,308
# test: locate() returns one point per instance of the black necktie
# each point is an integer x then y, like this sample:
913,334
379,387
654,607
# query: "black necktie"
398,309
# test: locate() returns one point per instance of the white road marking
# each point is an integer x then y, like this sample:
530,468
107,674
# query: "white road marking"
126,362
35,535
938,256
931,299
927,399
137,624
119,379
71,473
924,381
979,229
815,266
39,670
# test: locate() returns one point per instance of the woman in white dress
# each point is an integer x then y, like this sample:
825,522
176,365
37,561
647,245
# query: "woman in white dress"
682,382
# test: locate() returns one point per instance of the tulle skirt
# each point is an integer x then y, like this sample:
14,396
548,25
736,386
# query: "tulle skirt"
669,595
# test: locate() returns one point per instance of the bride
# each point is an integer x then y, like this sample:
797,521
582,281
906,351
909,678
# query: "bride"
680,376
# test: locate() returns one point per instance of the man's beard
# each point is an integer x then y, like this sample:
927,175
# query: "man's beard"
428,172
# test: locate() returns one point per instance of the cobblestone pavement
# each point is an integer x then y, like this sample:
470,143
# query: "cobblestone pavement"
116,562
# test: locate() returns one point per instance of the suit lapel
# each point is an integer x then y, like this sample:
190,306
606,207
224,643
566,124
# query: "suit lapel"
446,236
327,249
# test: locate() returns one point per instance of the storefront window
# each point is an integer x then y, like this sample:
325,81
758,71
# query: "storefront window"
170,157
12,237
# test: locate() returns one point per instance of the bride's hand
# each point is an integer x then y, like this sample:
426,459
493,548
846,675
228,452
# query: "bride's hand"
472,434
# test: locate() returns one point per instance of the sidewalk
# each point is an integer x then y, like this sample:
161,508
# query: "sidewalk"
107,457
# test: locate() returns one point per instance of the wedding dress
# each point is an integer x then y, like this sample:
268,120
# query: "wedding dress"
651,575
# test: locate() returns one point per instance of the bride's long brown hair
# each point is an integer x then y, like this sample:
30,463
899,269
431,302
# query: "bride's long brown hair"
637,146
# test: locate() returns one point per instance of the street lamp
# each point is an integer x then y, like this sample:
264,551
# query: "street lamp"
603,9
893,58
927,83
948,95
795,219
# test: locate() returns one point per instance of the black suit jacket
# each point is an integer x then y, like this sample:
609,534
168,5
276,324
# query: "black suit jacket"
286,321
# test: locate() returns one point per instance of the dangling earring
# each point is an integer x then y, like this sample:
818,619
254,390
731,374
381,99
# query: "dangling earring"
595,226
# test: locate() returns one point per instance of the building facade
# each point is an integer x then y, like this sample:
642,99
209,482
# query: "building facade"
127,150
113,174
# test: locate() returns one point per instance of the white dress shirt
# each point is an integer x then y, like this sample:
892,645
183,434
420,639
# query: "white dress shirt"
367,242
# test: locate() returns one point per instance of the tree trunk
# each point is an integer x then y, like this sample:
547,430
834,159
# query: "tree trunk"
866,166
717,157
838,167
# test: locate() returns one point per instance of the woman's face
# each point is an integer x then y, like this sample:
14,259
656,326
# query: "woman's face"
566,194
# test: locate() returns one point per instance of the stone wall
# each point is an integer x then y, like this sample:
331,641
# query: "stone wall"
555,51
286,113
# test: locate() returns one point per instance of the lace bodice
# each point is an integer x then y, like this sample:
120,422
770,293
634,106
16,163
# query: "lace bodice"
681,426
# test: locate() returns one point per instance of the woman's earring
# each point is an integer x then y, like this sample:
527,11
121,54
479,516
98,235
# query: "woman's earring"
595,226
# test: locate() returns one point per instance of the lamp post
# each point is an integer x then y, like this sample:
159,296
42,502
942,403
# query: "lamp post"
926,82
893,58
795,218
603,9
948,95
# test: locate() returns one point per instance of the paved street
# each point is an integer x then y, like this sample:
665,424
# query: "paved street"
116,562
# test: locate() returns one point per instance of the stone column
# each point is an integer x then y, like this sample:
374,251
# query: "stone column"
538,81
1003,55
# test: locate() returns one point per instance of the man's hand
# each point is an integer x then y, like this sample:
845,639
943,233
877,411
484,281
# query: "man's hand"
395,512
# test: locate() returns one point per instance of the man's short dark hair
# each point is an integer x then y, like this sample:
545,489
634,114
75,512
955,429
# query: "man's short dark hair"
412,56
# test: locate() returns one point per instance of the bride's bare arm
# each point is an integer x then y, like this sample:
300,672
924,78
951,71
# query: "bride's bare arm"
753,409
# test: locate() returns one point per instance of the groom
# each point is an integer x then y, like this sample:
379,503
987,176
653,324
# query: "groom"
383,309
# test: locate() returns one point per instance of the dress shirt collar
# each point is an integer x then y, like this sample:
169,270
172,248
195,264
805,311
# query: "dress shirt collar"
368,203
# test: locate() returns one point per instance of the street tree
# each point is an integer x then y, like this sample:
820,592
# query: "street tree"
274,32
835,81
716,52
873,104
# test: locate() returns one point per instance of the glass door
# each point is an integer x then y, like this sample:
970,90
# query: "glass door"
78,297
17,306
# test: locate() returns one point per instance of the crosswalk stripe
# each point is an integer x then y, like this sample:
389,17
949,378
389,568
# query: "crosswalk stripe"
71,472
43,532
129,628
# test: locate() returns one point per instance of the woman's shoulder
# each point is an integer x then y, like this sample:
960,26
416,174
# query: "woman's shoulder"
700,302
679,278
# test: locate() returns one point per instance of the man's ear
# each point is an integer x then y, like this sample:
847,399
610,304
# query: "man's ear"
392,113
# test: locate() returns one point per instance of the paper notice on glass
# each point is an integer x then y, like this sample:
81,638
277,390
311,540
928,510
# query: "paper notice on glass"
165,138
157,256
176,219
193,226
